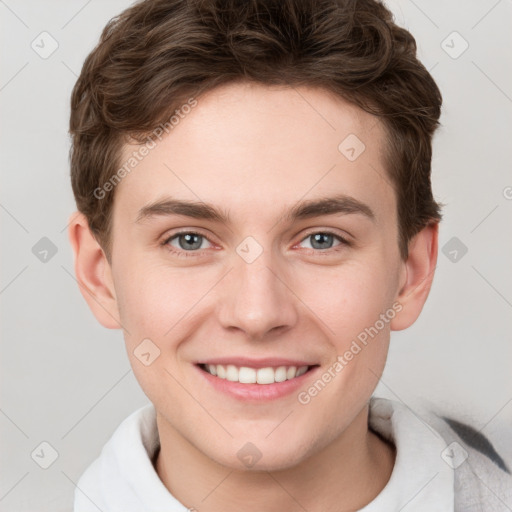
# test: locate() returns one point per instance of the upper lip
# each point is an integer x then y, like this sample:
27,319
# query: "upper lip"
256,363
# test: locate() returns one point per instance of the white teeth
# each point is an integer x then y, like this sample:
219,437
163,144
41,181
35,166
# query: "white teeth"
301,371
290,373
247,375
231,373
265,376
280,374
221,371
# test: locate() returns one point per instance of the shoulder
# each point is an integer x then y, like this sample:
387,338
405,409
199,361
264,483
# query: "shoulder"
482,476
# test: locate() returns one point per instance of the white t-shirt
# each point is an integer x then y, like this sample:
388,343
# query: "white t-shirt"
123,479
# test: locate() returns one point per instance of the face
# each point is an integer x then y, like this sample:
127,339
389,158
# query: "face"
257,274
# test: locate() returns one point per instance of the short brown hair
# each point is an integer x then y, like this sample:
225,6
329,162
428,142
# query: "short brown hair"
158,53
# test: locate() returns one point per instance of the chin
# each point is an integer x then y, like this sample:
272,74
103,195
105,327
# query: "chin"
257,456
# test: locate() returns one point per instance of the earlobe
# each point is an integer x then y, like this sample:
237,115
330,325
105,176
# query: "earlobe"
418,272
93,272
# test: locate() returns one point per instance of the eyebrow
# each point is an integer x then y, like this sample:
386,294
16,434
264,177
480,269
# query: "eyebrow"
340,204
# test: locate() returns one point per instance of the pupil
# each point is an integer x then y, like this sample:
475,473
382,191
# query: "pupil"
320,238
190,243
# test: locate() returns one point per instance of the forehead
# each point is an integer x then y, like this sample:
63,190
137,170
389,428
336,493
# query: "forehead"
255,147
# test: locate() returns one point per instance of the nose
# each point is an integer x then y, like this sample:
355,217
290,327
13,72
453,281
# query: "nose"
257,298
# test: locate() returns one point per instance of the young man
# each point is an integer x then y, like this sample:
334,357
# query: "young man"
256,215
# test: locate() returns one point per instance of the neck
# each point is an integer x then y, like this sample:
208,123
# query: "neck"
345,475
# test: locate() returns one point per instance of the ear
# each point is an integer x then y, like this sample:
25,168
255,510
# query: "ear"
93,272
416,276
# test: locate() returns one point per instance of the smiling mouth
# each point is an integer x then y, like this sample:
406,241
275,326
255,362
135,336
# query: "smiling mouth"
248,375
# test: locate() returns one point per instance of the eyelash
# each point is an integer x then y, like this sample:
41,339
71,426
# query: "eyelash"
187,254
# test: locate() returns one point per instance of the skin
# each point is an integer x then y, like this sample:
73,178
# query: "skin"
255,152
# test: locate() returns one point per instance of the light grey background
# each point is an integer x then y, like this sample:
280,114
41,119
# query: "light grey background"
66,380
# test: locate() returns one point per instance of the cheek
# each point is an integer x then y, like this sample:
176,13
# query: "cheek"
162,304
143,301
151,306
151,296
348,299
350,305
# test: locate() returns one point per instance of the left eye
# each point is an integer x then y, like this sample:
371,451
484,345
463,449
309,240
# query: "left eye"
323,240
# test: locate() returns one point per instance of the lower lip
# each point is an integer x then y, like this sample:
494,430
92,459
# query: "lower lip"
256,392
